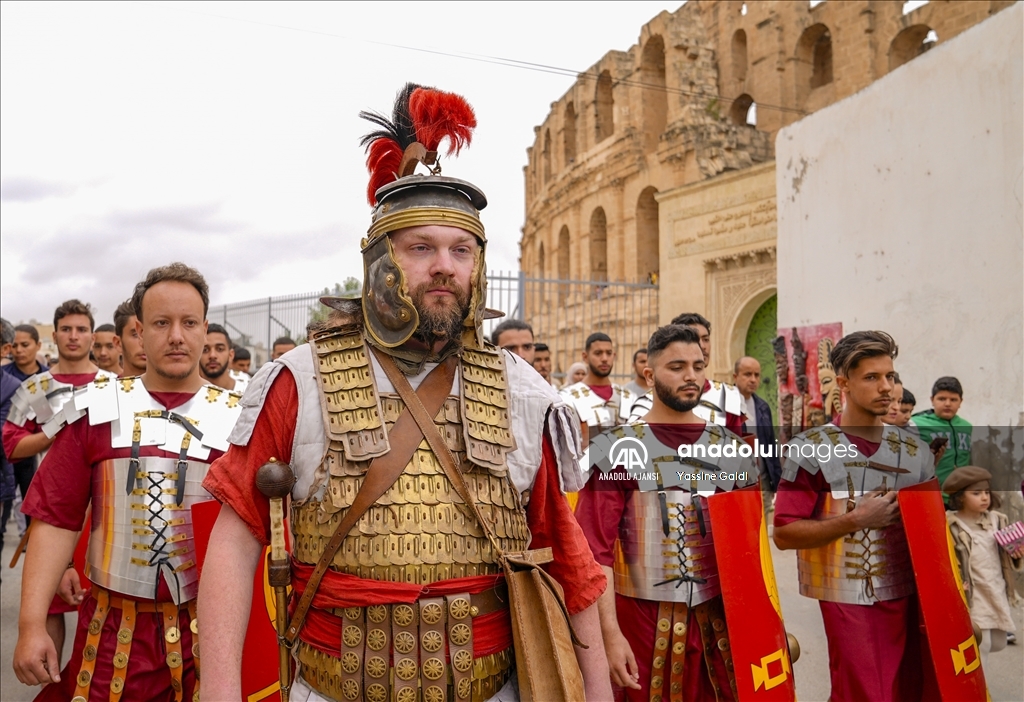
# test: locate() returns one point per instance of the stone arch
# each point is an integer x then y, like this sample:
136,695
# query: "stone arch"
569,134
564,272
598,245
655,96
647,235
814,60
541,267
740,109
755,327
910,43
604,108
547,155
739,325
739,55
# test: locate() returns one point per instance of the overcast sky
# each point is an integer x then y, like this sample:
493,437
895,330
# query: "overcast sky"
226,135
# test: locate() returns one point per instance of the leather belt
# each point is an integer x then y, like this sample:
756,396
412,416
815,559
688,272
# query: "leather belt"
714,635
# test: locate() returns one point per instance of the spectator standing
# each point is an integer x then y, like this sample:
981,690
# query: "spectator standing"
576,373
944,420
638,385
515,336
542,362
907,403
747,378
8,386
280,347
25,352
987,570
243,360
896,401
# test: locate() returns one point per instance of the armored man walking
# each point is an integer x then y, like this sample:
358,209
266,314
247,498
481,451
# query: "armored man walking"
407,602
860,503
695,613
137,449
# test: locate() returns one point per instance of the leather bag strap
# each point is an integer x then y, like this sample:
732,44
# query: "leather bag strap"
527,560
425,420
383,471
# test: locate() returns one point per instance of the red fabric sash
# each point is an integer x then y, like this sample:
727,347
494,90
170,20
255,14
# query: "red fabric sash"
492,632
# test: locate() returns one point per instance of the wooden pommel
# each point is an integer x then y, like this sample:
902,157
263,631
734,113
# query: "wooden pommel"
275,479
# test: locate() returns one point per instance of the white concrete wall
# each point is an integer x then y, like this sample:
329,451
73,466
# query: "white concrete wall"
900,208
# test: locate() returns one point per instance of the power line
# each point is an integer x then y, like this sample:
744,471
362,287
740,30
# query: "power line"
494,60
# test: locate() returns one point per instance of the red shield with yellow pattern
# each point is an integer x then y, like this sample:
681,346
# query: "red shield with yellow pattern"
955,657
753,613
260,666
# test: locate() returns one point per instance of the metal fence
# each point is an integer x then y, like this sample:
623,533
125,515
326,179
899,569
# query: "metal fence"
562,313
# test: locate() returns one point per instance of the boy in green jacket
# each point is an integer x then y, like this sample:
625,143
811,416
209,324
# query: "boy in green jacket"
943,421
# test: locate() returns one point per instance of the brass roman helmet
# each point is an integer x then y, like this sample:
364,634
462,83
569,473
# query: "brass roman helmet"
421,119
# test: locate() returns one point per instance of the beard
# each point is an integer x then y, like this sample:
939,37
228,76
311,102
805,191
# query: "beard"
213,375
668,397
440,321
180,375
598,373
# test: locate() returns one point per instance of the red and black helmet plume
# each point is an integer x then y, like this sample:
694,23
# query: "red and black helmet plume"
424,115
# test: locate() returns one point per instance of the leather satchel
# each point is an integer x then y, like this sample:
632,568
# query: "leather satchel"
542,632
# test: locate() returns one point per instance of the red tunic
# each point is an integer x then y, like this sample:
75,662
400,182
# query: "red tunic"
601,506
232,480
60,495
871,657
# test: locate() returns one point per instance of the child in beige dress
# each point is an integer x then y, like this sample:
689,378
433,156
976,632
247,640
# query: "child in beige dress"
987,570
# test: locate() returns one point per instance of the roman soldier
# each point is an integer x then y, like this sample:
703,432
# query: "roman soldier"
843,503
653,512
720,403
600,403
406,602
39,410
136,450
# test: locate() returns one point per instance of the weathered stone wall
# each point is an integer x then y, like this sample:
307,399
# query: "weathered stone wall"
912,223
673,111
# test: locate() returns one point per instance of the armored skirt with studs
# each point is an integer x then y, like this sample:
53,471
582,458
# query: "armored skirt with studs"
660,547
413,606
139,460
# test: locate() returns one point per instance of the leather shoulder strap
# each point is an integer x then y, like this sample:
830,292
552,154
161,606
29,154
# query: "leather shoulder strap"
426,424
382,472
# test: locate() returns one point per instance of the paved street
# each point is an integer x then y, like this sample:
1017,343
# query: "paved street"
803,619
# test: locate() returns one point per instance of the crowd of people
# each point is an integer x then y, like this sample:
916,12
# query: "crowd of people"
602,405
419,464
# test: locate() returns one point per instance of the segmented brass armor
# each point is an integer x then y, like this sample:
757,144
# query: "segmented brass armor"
419,531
